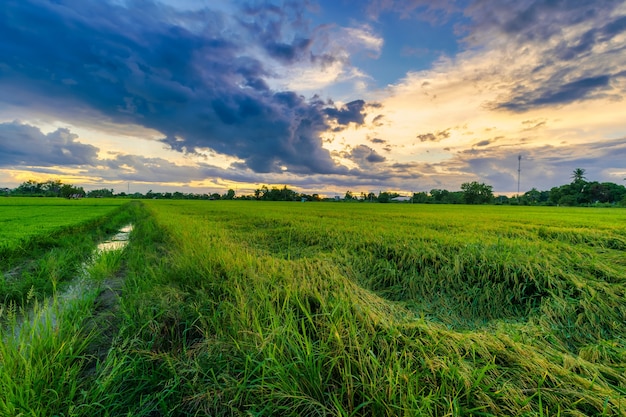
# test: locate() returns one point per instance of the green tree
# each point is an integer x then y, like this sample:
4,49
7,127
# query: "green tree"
229,195
51,188
531,197
69,191
420,197
439,195
568,200
383,197
29,187
615,192
100,193
477,193
578,175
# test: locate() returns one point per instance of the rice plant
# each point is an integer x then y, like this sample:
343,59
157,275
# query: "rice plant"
258,308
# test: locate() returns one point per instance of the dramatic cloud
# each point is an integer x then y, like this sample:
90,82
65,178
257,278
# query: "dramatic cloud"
350,113
541,167
324,95
577,90
25,145
571,51
183,74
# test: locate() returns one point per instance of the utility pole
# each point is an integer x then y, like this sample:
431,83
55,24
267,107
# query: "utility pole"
519,171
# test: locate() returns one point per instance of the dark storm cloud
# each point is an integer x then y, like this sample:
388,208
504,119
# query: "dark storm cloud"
25,145
187,75
562,94
352,112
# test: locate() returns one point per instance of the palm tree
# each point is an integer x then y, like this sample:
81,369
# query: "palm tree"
578,175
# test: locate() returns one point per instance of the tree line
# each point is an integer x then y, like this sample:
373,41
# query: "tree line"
51,188
579,192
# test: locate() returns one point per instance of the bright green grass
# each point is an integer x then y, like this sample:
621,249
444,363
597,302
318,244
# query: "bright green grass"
22,218
44,241
246,308
50,343
256,308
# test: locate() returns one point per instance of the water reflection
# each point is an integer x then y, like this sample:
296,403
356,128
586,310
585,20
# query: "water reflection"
117,242
47,312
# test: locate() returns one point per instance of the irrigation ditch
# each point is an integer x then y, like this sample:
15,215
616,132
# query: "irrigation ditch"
45,313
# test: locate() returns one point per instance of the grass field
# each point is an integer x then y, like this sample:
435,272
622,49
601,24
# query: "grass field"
27,217
255,308
43,241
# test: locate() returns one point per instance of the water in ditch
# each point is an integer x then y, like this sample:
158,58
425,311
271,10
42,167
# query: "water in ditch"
48,311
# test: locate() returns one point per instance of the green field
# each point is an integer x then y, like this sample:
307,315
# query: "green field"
25,217
43,241
259,308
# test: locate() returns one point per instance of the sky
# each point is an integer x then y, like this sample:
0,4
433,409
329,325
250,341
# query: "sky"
323,96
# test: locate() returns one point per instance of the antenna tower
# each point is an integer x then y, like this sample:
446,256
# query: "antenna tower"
519,171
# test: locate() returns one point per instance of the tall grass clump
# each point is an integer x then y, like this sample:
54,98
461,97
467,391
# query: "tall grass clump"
43,355
245,308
